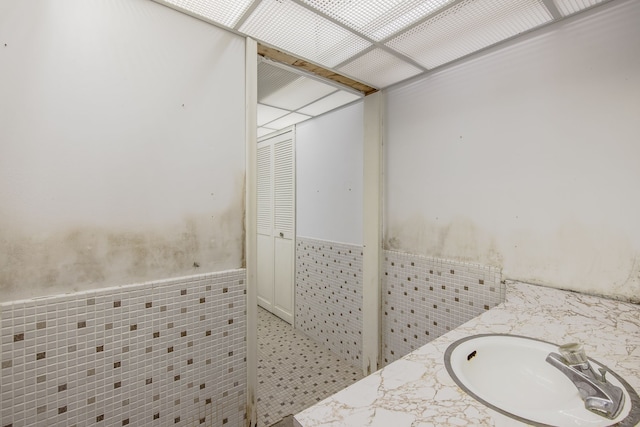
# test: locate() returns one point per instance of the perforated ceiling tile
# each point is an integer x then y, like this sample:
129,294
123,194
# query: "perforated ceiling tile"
377,19
268,114
329,103
467,27
569,7
379,68
272,78
288,120
301,32
225,12
297,94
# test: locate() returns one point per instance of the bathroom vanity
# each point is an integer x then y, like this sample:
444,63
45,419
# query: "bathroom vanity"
417,390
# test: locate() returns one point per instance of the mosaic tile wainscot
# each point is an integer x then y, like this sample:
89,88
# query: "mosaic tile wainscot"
169,352
425,297
329,295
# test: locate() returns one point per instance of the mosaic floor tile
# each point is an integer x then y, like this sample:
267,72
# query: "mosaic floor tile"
294,372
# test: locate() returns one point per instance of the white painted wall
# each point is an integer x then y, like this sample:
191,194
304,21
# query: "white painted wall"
527,157
121,145
329,176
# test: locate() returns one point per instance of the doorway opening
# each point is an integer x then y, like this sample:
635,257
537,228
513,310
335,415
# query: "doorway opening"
294,371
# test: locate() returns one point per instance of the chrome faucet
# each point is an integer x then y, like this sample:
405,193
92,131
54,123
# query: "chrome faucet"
599,396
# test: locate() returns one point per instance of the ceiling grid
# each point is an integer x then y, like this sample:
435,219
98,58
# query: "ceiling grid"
223,12
439,40
248,12
367,44
569,7
375,43
286,97
553,10
312,37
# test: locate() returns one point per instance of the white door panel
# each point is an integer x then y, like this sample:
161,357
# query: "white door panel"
276,225
283,187
265,271
265,189
283,297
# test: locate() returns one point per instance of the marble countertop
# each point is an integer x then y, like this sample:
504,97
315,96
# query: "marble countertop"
417,391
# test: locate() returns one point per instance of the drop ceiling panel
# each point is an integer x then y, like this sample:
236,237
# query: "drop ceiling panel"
379,68
288,120
295,29
225,12
331,102
377,19
335,34
272,78
467,27
569,7
263,131
297,94
268,114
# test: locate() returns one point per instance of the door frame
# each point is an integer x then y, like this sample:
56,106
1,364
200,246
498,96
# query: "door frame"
251,223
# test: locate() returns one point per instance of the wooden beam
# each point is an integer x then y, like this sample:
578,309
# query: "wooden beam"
285,58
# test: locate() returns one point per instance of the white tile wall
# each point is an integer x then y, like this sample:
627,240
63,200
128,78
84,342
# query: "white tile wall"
170,352
424,298
329,295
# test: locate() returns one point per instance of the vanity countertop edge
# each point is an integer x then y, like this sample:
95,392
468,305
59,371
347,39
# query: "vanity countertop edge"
417,391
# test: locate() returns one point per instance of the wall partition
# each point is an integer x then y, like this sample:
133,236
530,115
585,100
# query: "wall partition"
328,304
121,207
523,158
122,157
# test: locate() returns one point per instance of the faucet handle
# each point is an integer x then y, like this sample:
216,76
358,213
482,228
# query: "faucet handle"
603,374
573,353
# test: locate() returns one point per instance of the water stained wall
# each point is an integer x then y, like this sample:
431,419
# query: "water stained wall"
122,154
525,158
574,256
84,257
460,239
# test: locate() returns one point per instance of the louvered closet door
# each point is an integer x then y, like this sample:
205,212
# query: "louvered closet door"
276,225
265,227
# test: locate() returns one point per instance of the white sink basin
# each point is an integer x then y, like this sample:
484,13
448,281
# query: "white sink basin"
509,374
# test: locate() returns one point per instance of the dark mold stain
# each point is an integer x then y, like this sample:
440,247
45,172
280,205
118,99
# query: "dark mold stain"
89,258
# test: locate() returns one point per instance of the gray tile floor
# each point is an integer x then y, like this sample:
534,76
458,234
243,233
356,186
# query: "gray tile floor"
294,372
